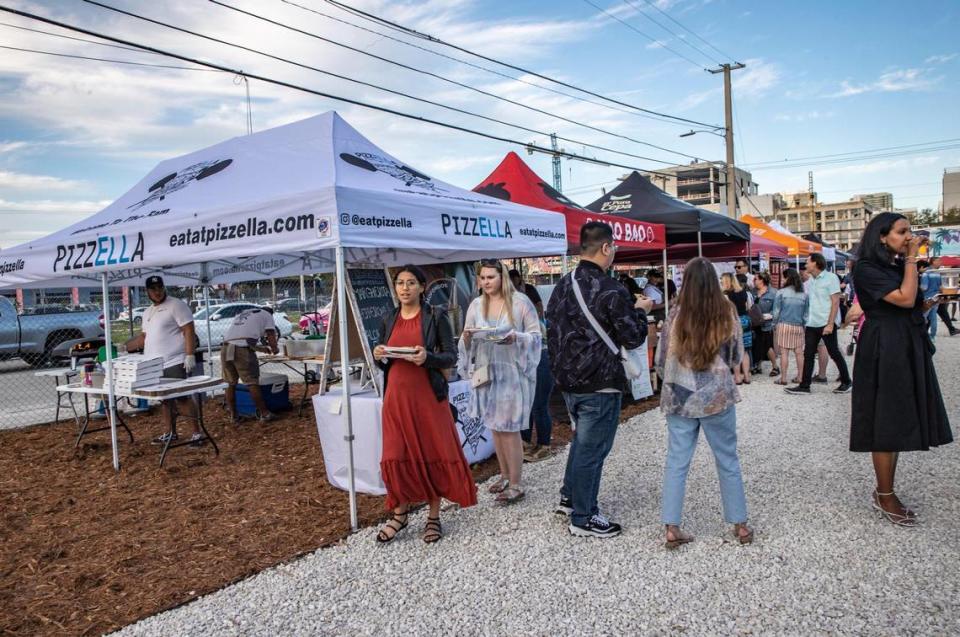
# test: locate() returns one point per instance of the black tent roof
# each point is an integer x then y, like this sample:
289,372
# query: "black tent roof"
637,198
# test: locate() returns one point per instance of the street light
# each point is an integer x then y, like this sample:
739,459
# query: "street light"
712,132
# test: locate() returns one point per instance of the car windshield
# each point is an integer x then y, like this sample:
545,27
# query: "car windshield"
202,314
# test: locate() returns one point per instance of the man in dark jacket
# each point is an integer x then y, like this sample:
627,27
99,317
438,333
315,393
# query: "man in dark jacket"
590,375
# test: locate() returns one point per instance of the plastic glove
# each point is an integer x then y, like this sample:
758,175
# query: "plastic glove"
189,363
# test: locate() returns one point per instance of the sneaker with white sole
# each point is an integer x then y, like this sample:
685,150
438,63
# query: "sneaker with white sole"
843,388
596,526
162,439
198,440
565,507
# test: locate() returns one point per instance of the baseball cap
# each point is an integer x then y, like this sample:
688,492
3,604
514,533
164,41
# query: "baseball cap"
154,282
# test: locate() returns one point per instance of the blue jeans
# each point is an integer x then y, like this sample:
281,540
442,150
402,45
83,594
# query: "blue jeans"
597,416
721,433
540,414
932,320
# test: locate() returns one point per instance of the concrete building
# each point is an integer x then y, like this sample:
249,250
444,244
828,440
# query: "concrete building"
840,224
881,201
951,189
703,184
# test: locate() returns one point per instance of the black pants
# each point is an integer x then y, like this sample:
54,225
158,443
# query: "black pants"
811,339
945,317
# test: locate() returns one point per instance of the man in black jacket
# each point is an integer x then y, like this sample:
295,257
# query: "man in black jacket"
589,373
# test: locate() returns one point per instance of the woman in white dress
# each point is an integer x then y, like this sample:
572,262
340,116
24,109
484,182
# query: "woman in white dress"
499,353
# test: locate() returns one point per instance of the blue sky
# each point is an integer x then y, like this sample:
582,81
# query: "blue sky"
822,78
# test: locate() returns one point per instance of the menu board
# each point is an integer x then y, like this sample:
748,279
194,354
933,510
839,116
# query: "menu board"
373,295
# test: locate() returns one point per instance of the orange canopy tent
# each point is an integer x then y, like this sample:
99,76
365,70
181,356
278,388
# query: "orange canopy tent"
796,247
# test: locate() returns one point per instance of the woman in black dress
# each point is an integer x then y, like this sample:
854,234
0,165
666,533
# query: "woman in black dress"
897,404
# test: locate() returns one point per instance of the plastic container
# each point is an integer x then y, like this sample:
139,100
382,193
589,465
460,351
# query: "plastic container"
276,393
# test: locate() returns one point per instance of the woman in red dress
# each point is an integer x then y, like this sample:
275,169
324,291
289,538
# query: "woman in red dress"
421,460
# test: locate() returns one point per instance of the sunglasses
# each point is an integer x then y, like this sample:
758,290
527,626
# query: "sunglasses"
491,263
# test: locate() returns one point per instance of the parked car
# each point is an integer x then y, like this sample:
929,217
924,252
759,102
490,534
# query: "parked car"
39,337
137,315
49,308
84,307
219,318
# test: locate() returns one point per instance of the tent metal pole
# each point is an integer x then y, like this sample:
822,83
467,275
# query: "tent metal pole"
206,304
666,286
343,335
111,399
699,244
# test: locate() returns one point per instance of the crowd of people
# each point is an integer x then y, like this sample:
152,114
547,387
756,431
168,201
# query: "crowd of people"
719,330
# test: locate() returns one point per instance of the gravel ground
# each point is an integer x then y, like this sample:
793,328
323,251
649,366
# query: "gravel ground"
822,561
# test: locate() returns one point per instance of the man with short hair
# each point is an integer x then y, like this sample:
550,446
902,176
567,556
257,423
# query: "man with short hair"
824,299
168,333
238,358
529,290
654,291
590,375
741,267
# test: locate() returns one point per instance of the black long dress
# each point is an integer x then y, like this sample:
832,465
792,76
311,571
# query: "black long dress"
897,404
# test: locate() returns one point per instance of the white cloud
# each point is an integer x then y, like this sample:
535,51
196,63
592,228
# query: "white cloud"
757,79
21,181
803,117
880,166
940,59
53,206
890,82
9,147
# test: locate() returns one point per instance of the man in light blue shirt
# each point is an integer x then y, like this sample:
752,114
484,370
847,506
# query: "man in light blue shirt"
930,281
824,297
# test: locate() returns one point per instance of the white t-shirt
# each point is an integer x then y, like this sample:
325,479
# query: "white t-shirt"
161,328
249,324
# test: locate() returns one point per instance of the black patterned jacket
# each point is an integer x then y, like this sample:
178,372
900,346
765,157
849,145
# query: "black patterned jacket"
580,361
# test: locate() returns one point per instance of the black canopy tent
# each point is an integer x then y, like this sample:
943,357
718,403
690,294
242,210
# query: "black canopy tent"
637,198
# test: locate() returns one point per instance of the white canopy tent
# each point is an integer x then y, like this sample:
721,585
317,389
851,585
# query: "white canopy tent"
307,197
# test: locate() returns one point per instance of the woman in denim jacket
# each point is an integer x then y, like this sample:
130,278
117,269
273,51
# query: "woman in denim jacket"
700,342
790,315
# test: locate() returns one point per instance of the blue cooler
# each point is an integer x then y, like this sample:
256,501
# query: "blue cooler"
276,393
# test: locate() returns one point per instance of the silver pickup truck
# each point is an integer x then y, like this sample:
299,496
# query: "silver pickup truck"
42,337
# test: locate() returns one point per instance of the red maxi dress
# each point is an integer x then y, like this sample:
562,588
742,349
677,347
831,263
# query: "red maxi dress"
421,458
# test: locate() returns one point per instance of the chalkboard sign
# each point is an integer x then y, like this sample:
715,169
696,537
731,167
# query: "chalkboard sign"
374,298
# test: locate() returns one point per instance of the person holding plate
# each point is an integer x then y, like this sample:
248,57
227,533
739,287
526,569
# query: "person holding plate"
421,458
499,353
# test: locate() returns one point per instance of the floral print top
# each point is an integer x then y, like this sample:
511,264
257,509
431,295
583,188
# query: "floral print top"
695,394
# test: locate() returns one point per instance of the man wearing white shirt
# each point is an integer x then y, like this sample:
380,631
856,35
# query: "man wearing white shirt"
238,357
168,333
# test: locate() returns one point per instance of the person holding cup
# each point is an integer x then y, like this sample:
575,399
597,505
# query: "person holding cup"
499,353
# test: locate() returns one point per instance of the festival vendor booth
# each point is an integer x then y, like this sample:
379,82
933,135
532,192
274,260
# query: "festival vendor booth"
796,247
307,197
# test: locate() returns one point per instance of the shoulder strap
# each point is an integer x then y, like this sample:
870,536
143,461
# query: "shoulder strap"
593,321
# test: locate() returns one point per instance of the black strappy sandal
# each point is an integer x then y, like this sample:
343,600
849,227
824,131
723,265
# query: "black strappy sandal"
432,531
382,536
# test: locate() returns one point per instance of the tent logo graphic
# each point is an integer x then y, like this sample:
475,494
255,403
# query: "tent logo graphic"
323,227
617,204
180,180
379,163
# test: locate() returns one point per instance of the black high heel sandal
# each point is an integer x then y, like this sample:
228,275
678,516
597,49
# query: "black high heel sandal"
432,531
382,536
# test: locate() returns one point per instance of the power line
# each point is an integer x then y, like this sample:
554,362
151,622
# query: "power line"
378,87
847,160
423,36
656,118
679,24
856,152
67,37
96,59
679,37
636,30
389,61
296,87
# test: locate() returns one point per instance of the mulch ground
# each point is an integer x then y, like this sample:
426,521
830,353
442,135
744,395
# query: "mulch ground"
84,550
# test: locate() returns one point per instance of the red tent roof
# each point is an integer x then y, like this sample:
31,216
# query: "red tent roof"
514,181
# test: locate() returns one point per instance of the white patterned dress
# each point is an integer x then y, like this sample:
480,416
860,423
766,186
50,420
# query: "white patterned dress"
505,402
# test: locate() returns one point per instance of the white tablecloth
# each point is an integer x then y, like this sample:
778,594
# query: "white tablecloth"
366,406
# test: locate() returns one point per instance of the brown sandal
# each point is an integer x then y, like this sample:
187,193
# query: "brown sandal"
498,486
679,537
743,539
383,537
510,495
432,531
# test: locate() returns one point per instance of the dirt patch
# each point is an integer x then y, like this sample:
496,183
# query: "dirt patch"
84,550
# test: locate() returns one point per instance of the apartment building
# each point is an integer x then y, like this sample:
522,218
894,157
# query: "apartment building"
881,201
951,189
703,184
840,224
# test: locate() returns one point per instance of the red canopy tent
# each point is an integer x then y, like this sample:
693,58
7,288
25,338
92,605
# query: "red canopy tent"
514,181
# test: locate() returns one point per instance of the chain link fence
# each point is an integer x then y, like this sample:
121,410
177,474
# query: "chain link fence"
39,327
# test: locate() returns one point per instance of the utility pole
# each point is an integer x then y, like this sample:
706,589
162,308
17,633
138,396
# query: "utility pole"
557,185
728,111
813,205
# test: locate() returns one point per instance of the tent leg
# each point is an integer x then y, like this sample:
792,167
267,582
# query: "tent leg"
699,244
666,286
342,333
111,399
206,304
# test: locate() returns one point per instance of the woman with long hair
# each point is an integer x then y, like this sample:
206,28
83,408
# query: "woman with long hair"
763,335
499,353
896,404
790,314
421,458
740,298
701,341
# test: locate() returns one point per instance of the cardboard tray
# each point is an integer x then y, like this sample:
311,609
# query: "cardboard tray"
169,386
